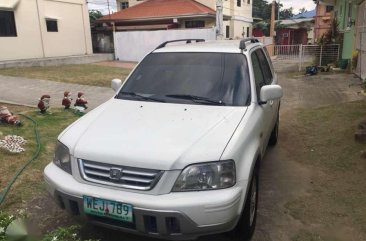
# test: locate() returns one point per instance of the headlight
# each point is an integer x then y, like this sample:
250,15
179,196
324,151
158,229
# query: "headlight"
206,176
62,157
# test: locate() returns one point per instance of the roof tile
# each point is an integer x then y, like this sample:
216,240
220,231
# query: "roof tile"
161,8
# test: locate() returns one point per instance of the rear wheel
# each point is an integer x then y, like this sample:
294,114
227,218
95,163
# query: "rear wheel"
246,225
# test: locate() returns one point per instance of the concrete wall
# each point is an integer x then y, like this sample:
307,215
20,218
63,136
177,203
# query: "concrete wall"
136,40
33,40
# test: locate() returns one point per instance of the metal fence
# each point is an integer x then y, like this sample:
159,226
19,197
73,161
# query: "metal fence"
319,55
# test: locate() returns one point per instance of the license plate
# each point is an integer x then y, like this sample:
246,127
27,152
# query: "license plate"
107,208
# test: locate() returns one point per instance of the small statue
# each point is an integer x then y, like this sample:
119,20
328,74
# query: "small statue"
81,101
44,103
66,101
7,117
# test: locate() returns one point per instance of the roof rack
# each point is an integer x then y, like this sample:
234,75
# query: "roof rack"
242,45
188,41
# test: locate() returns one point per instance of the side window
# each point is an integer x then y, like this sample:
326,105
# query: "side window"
265,67
258,75
268,57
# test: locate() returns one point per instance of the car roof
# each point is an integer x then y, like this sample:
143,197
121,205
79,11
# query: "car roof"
221,46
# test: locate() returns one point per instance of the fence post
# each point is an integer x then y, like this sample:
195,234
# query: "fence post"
300,57
321,55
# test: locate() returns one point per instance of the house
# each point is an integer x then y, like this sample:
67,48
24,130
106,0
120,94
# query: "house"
295,31
350,17
43,28
168,14
323,19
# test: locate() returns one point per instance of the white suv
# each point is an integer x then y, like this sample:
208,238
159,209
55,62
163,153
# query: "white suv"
176,153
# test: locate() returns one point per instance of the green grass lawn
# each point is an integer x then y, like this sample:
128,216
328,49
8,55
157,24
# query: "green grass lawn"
31,181
86,74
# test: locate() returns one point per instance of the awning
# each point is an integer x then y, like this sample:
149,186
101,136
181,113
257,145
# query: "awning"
8,5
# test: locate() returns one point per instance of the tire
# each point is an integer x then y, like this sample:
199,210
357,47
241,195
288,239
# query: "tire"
246,225
274,134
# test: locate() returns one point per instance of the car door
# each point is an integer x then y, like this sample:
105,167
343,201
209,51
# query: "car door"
269,80
263,76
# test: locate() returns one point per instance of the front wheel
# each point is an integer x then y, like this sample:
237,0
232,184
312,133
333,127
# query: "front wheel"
246,225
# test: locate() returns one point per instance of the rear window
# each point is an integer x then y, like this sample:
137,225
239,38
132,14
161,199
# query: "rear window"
217,76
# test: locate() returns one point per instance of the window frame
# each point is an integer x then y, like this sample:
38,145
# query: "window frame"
238,3
126,5
265,82
194,24
258,85
11,24
329,8
268,75
50,27
227,31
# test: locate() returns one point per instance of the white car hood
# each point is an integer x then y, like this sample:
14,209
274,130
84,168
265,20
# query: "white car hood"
152,135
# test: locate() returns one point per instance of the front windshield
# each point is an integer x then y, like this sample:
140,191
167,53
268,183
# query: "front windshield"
194,78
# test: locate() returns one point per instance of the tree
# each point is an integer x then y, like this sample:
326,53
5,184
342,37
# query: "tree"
94,15
302,10
262,9
286,13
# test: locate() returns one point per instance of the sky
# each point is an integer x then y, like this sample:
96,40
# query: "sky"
102,5
297,4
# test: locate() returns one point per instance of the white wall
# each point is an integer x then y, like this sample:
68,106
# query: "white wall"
133,45
33,40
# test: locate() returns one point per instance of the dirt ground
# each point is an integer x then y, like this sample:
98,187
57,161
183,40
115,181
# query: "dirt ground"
282,180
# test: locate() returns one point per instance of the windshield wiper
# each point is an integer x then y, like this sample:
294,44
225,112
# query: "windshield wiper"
196,99
139,96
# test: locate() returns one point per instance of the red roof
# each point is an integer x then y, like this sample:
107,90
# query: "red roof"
161,9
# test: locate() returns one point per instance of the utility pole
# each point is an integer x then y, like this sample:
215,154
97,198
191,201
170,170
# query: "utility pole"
278,17
272,30
109,10
219,19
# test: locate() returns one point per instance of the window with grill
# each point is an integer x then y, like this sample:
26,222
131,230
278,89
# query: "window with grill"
51,25
195,24
7,24
124,5
238,3
227,31
329,8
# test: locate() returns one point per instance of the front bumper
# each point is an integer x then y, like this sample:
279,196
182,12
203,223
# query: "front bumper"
184,215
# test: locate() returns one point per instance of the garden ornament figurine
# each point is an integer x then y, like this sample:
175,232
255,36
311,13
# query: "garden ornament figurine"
7,117
66,101
81,102
44,103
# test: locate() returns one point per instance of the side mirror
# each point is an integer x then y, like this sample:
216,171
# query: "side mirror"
116,83
270,92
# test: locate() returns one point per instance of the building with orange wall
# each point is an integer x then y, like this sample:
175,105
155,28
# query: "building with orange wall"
323,18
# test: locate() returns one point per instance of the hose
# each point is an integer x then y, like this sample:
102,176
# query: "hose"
6,190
